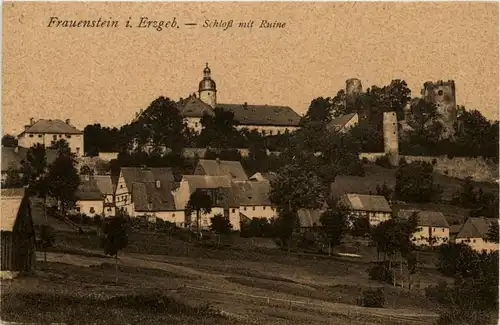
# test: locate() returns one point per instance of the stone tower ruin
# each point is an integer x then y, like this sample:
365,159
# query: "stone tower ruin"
391,144
353,88
442,93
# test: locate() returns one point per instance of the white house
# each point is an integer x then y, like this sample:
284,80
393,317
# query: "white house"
105,185
90,200
218,167
474,232
252,197
45,132
433,229
373,207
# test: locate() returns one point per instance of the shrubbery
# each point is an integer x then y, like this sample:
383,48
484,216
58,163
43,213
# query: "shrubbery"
372,298
381,272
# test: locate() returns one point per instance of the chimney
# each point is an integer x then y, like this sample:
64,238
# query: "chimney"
26,127
245,105
32,121
68,121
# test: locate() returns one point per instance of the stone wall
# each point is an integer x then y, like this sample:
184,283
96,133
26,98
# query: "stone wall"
480,169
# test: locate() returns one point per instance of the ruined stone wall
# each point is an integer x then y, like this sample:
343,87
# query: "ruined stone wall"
480,169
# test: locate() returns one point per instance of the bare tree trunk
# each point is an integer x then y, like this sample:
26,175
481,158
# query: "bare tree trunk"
116,268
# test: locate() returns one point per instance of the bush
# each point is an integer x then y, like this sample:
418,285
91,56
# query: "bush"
380,272
439,293
384,162
373,298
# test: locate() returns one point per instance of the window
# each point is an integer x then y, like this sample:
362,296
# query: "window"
244,208
39,135
68,136
54,137
263,132
443,229
173,215
279,132
270,132
233,210
109,209
31,135
77,209
121,185
77,150
92,210
253,208
263,208
440,92
473,240
196,124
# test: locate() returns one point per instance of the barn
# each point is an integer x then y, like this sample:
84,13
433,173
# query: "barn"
17,233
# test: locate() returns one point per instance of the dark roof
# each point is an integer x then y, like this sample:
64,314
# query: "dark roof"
13,157
309,217
359,184
252,193
104,184
194,107
146,175
263,114
52,126
373,203
147,197
206,182
88,190
426,218
11,200
223,168
339,122
475,228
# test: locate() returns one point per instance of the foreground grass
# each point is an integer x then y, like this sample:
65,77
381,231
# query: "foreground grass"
152,308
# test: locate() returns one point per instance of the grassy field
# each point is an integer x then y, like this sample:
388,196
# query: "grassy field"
164,279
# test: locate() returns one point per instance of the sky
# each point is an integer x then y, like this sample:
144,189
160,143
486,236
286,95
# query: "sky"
106,75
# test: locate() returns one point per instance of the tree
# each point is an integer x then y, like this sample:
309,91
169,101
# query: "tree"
35,164
493,232
320,110
47,238
385,191
415,183
426,127
62,178
338,105
220,225
219,130
86,170
12,179
9,141
334,223
115,237
200,202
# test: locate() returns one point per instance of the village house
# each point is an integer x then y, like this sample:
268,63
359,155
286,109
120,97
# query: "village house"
267,119
105,185
17,232
373,207
130,175
219,167
90,200
433,229
217,187
46,132
474,232
13,158
252,199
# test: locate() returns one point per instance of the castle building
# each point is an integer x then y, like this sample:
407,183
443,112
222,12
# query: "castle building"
266,119
46,132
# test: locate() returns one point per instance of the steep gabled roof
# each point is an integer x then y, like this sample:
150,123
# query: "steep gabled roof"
263,114
194,107
88,190
206,182
148,198
426,218
372,203
217,167
11,200
338,123
52,126
252,193
146,175
104,184
476,228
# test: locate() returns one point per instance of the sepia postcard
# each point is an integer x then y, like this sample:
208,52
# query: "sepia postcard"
250,163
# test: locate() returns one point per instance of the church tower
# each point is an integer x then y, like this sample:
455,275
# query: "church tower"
207,90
